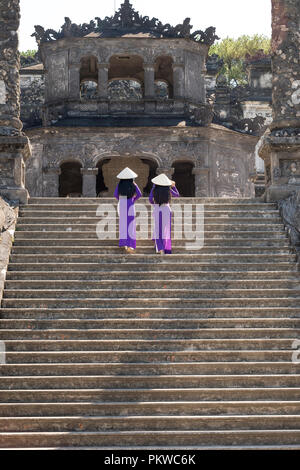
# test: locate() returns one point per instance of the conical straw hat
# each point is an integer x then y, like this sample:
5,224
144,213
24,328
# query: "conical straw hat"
162,180
127,174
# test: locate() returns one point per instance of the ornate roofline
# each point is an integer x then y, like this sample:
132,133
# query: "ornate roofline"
126,21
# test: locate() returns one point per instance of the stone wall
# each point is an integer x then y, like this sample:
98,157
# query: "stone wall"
223,160
8,217
32,100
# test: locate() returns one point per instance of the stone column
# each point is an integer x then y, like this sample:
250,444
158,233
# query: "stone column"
202,188
14,147
51,182
280,147
103,81
89,181
167,171
149,81
74,82
178,81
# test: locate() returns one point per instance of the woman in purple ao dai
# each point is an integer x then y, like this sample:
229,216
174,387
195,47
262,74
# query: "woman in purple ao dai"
127,192
160,197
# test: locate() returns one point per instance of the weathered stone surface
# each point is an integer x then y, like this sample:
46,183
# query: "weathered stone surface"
223,160
290,212
8,217
286,63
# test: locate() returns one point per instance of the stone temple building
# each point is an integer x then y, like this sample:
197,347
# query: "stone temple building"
130,91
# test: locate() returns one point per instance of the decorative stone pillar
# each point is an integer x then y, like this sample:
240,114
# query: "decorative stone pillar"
89,181
74,82
14,146
167,171
51,182
202,187
178,81
149,81
280,147
103,81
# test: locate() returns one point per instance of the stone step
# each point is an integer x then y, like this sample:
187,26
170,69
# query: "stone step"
115,250
210,235
89,200
246,229
75,340
267,277
81,328
162,264
150,302
201,294
152,395
149,312
180,284
228,243
46,221
122,285
178,408
174,368
217,212
160,439
142,381
152,258
147,357
155,423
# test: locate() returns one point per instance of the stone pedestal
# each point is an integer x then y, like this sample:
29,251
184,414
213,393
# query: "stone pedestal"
201,182
14,147
89,176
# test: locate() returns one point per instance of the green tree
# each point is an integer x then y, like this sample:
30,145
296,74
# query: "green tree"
28,53
234,51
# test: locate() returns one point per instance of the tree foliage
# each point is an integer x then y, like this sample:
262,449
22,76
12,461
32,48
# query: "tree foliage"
234,51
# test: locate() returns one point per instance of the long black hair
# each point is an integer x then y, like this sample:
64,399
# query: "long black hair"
127,188
161,194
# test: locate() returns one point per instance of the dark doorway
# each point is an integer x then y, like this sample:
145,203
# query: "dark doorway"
184,178
100,185
70,180
152,173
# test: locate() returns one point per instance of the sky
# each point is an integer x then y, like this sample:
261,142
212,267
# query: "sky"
231,17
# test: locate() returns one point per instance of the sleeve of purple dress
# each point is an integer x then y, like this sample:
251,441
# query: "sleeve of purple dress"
138,193
116,193
151,197
174,192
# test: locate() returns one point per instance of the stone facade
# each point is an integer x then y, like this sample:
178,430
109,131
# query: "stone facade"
13,144
222,160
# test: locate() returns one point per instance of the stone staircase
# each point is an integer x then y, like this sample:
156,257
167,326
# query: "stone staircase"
189,351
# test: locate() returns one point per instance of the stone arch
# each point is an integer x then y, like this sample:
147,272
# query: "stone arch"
126,66
184,177
88,70
70,178
164,71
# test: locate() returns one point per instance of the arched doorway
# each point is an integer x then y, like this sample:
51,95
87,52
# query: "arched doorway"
70,179
152,173
101,188
184,178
